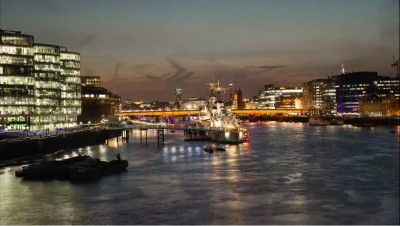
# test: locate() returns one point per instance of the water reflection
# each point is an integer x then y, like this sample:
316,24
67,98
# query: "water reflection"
286,174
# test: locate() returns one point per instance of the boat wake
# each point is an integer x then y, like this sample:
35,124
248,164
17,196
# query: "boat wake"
293,178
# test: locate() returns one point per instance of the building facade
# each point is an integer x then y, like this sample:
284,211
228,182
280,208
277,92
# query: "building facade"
319,97
379,107
387,87
194,103
352,87
90,80
279,98
35,84
177,98
48,85
98,104
71,92
17,80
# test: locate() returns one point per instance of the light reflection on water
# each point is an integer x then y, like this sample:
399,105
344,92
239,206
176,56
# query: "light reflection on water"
289,173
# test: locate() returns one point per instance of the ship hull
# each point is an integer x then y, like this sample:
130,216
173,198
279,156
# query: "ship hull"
226,136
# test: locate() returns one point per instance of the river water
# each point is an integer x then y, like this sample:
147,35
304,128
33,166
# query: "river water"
288,173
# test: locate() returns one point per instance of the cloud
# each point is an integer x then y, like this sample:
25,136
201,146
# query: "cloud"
267,67
187,75
143,66
259,70
154,78
89,39
178,76
213,57
389,23
50,5
116,69
179,70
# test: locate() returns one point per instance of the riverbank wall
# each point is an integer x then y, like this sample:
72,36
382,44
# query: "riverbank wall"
35,146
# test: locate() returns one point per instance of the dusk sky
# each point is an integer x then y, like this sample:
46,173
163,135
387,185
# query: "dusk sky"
143,49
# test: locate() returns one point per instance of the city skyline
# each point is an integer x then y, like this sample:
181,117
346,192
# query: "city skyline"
143,50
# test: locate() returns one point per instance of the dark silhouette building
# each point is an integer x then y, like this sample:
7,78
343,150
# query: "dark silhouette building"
97,104
352,87
240,102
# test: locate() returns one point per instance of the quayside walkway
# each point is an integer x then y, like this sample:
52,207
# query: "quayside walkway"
16,144
191,132
30,144
44,142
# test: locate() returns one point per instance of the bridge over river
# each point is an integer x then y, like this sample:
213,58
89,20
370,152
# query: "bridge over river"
196,112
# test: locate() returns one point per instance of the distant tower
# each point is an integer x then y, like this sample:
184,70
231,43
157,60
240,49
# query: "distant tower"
178,97
235,96
230,90
343,71
240,104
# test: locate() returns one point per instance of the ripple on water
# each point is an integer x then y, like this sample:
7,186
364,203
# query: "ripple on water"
285,175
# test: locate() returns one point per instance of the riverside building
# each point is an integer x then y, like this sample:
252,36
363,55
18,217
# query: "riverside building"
279,98
39,84
97,102
71,101
352,87
90,80
178,98
194,103
345,93
319,97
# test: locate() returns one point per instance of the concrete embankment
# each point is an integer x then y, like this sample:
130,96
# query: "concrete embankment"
17,148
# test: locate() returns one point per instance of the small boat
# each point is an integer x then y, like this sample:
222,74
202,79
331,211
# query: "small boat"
336,122
219,148
313,121
75,168
212,148
96,169
38,171
208,149
46,170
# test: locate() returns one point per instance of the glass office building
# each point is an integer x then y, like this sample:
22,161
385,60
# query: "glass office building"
17,80
278,97
39,86
71,102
